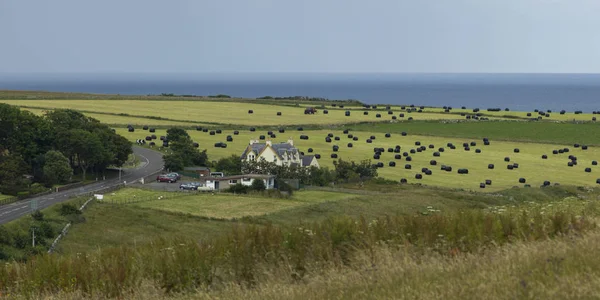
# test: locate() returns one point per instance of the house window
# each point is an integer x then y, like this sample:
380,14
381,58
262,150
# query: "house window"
233,181
251,157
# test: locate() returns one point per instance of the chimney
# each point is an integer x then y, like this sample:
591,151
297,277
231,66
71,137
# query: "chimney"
268,142
253,142
291,142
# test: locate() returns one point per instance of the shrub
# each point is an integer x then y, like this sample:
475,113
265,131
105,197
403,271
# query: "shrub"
258,185
237,189
5,236
46,230
21,240
69,209
37,215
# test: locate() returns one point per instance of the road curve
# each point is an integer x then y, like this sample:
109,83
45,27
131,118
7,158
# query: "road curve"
151,162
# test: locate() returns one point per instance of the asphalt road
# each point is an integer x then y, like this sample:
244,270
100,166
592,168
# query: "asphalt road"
151,161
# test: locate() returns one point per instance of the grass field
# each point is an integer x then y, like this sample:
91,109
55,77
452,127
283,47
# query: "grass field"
223,206
189,215
531,166
125,120
517,131
221,112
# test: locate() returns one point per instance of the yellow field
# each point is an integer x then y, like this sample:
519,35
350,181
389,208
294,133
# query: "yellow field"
531,166
123,120
218,112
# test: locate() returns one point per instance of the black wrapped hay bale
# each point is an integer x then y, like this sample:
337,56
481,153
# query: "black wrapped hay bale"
463,171
544,156
369,141
433,162
152,144
318,156
522,180
594,163
588,170
392,164
387,135
279,113
229,138
490,166
477,150
510,167
355,138
436,154
310,150
488,182
404,133
131,129
350,145
507,159
145,127
407,166
417,143
398,156
250,111
418,176
516,150
408,158
252,129
482,185
333,155
196,145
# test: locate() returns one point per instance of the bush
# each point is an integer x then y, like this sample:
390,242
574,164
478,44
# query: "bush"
37,215
284,187
46,230
21,240
37,188
237,189
5,236
69,209
258,185
23,195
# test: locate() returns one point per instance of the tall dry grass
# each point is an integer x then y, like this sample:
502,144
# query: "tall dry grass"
251,256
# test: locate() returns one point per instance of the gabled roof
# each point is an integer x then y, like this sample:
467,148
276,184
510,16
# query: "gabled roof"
256,148
307,159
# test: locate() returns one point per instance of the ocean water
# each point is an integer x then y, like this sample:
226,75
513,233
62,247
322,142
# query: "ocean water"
514,91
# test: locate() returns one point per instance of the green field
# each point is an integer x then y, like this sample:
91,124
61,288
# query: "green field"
223,206
531,166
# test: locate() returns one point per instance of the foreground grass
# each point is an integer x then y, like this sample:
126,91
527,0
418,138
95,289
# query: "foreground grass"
249,256
184,215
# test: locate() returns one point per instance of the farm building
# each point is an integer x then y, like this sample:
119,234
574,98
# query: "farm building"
198,171
221,183
282,154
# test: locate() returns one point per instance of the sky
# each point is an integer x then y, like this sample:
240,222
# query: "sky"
334,36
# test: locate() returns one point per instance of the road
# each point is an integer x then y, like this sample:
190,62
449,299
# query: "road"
151,161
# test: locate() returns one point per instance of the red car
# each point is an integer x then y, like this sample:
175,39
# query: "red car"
166,178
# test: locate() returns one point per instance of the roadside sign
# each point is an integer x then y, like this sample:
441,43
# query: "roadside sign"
34,205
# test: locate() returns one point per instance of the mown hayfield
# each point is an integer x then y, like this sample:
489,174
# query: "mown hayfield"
124,120
531,166
222,206
200,111
221,112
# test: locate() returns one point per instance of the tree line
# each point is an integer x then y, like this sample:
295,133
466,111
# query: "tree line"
38,151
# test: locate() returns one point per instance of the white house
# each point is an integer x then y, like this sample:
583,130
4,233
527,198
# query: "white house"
282,154
220,183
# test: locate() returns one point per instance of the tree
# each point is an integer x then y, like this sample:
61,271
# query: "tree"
12,167
177,135
174,162
229,165
85,149
258,185
57,168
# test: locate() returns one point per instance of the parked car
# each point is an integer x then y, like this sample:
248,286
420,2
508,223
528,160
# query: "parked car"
177,175
189,186
166,178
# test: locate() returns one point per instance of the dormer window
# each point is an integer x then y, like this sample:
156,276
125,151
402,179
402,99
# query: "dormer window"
251,157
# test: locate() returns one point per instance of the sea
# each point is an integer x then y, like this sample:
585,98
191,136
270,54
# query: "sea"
524,92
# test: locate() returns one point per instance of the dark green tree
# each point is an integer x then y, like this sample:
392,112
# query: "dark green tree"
231,165
57,168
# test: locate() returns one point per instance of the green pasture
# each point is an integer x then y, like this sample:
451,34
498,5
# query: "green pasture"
521,131
221,206
531,166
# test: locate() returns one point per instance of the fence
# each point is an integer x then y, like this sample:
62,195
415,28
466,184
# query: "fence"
166,196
